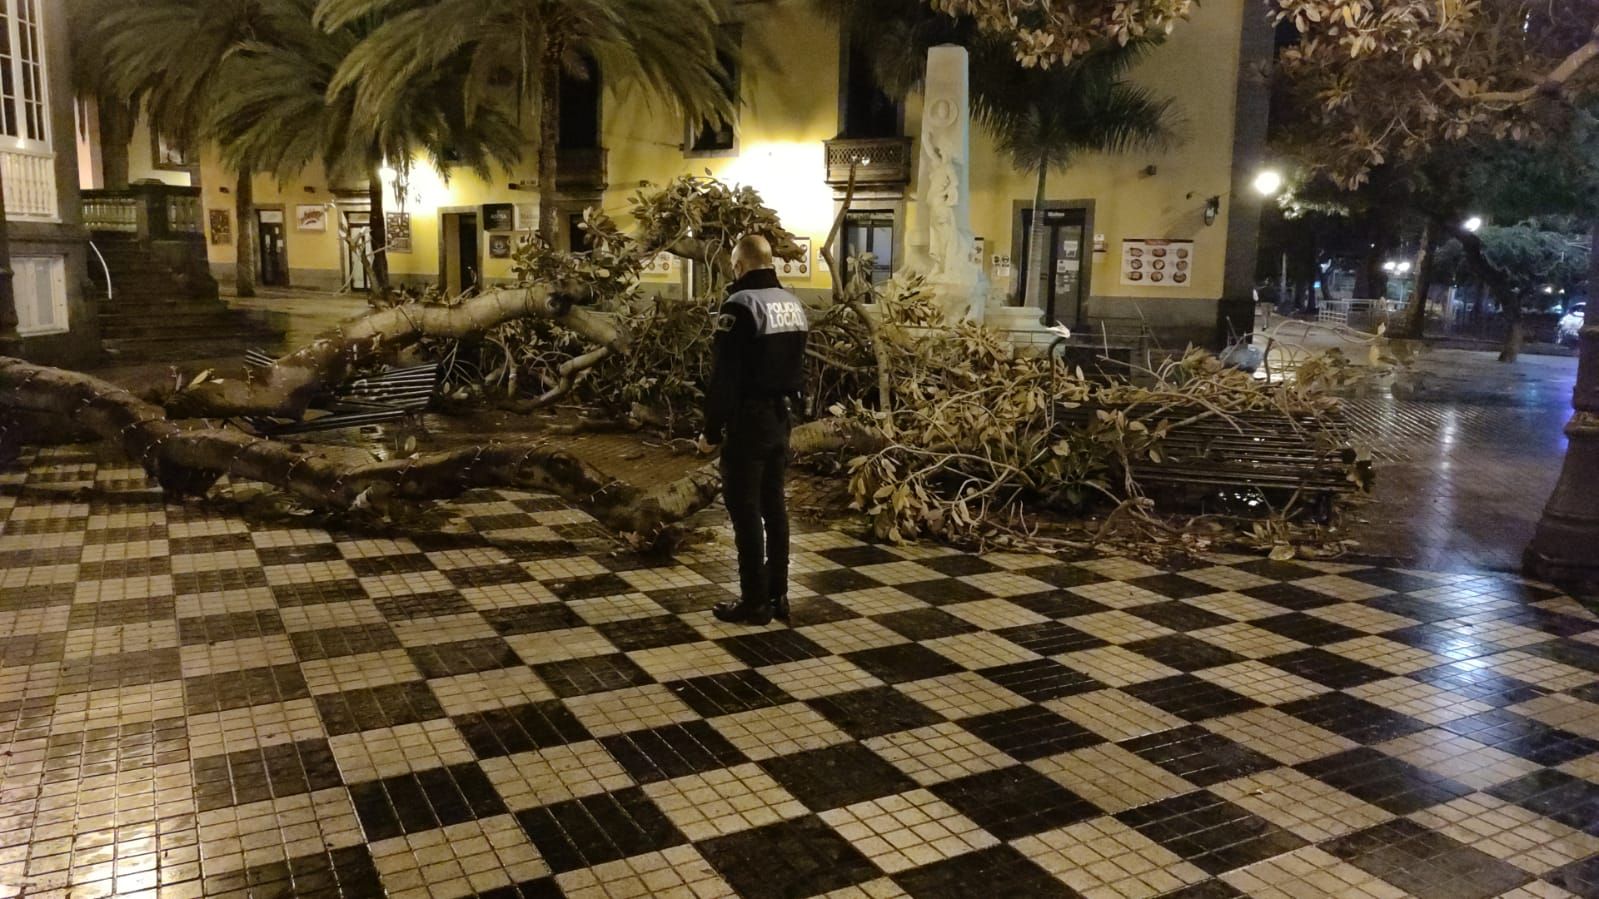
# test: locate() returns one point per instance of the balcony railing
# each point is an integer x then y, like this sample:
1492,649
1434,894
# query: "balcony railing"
30,185
144,212
578,170
878,161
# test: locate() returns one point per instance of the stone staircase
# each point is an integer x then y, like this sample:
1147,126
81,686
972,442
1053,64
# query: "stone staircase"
165,310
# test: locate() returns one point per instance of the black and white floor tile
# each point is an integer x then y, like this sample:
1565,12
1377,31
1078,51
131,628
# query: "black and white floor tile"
192,704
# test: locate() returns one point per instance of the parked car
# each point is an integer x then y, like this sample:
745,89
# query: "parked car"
1572,323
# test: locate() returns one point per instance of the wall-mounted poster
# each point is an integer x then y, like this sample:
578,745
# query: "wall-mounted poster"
499,217
797,268
661,265
397,226
310,218
527,216
221,226
499,246
979,250
1157,263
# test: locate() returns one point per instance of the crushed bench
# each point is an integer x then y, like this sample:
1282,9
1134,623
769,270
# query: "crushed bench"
1307,461
387,395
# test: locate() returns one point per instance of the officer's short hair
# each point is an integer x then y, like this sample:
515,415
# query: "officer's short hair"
754,251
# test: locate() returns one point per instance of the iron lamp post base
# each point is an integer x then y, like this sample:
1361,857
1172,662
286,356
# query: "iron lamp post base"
1565,549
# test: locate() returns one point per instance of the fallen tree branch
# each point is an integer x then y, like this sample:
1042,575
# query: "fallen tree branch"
285,390
569,372
187,461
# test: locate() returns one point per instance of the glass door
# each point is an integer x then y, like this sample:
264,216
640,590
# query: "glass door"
1056,286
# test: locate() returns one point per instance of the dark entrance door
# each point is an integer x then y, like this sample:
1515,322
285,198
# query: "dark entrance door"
462,265
470,264
1059,281
273,249
358,249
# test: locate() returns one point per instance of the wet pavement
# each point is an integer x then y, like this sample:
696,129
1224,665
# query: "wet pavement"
193,703
1468,451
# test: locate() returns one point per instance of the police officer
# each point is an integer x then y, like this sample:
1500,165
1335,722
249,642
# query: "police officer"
754,393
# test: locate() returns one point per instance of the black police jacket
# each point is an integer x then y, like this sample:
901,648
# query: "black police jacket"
759,351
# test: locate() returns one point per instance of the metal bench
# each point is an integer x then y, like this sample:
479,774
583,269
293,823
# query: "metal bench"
1268,457
385,396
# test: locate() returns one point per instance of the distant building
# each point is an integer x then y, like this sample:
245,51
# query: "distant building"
55,315
808,107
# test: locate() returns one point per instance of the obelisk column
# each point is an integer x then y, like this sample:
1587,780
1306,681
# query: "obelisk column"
944,244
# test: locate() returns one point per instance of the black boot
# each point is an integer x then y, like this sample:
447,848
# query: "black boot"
780,608
743,612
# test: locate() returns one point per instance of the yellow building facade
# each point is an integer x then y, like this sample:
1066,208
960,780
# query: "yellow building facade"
792,72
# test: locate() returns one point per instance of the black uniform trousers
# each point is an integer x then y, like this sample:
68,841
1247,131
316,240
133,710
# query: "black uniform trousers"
754,463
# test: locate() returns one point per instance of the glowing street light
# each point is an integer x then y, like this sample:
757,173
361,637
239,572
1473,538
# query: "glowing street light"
1473,223
1268,183
1390,266
1403,268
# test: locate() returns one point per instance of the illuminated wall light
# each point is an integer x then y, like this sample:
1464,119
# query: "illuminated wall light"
1268,183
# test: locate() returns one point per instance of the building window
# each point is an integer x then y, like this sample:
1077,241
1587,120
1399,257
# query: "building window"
871,231
579,127
868,110
23,112
721,136
40,285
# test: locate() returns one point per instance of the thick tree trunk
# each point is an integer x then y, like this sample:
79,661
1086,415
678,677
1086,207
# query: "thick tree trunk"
1370,282
1516,336
286,389
188,461
116,132
1416,322
244,213
1037,247
379,231
549,141
1498,284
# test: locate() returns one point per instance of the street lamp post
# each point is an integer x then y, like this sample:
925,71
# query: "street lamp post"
1565,549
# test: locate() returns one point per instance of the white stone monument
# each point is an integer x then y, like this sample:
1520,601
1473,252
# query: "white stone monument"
943,244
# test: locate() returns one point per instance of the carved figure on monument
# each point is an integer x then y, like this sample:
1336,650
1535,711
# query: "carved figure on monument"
945,237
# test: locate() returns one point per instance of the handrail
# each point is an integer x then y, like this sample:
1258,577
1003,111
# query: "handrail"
103,267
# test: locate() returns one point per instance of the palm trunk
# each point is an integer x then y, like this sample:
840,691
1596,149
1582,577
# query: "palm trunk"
549,140
1416,324
244,212
1032,291
379,231
116,131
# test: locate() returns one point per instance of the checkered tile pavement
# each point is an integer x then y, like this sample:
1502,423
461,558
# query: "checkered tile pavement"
192,704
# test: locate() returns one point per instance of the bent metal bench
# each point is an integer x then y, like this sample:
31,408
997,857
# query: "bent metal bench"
387,395
1305,462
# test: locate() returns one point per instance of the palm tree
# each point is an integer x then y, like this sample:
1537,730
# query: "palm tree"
91,80
519,49
1044,119
289,78
164,56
